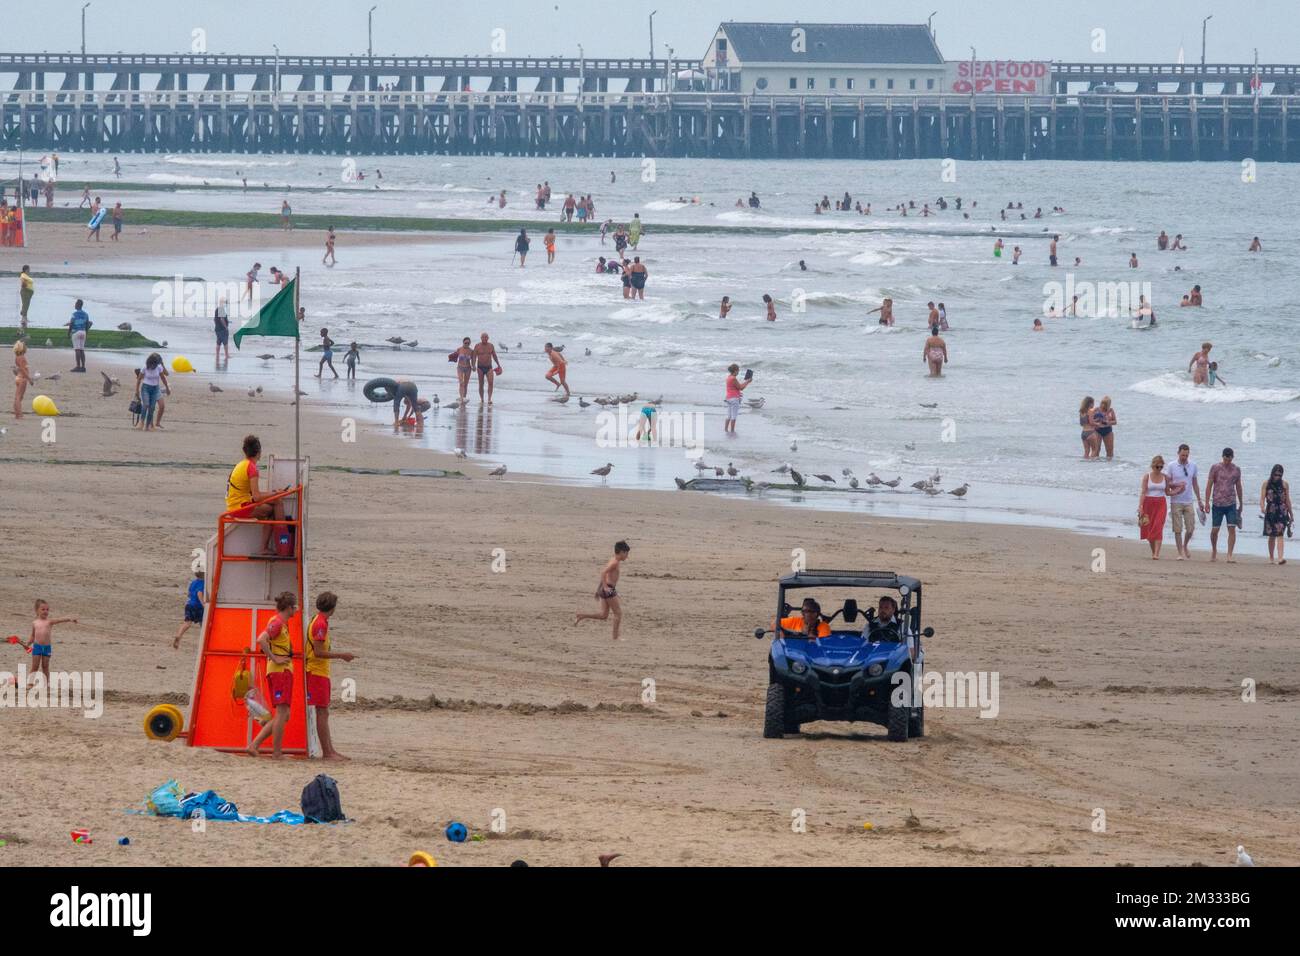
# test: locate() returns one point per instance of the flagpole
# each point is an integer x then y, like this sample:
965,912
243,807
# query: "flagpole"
297,398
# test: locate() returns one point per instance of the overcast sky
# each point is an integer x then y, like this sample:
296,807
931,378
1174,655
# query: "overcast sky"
1136,30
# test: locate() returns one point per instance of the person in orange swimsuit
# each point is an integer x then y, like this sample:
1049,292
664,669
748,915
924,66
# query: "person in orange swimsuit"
559,369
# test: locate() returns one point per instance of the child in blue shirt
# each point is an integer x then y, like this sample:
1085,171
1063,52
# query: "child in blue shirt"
193,607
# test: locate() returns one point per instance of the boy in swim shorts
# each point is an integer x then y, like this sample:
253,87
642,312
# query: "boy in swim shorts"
559,369
40,645
274,642
607,590
317,659
193,607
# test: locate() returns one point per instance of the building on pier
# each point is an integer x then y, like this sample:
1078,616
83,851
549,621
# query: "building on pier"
824,59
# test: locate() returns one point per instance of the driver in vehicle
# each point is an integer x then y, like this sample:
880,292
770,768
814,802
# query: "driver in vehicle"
809,620
884,626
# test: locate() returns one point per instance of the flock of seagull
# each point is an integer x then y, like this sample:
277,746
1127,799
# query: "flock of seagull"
928,485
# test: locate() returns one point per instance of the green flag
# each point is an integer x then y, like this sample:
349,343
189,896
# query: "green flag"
277,317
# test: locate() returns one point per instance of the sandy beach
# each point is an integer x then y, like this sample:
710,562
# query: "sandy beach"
1120,690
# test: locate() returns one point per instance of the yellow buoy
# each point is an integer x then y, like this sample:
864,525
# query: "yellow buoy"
420,858
163,722
43,405
181,364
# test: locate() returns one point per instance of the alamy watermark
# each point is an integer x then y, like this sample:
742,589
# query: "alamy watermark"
71,690
1094,300
183,298
672,429
950,689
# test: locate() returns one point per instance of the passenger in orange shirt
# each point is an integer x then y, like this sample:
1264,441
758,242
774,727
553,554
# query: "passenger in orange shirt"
808,619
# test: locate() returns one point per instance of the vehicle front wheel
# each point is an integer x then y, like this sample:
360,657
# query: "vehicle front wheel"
774,719
899,719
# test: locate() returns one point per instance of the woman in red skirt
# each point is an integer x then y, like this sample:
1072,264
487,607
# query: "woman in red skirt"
1153,505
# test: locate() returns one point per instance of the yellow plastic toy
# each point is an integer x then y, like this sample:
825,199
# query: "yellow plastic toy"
44,405
163,722
420,858
181,364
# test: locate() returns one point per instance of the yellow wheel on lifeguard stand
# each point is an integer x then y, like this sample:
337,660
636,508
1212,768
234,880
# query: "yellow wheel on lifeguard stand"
163,722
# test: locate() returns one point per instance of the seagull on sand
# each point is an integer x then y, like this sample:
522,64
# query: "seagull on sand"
252,392
680,483
702,467
928,404
798,478
846,472
583,403
213,387
960,492
1243,858
460,454
921,485
497,472
794,445
732,470
756,403
934,479
266,357
124,327
853,482
603,472
933,491
826,478
873,480
782,469
718,472
893,484
910,446
110,385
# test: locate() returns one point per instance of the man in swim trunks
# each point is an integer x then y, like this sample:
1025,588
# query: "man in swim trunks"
559,369
607,591
1162,241
1051,250
406,403
489,366
244,496
1224,498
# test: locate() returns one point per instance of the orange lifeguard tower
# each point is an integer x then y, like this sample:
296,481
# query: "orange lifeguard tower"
242,584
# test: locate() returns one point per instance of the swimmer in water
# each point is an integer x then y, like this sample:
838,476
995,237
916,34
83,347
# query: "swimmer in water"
1177,245
1199,365
1194,297
997,249
943,318
1162,241
933,318
1015,255
803,266
725,307
935,352
886,311
1215,377
1133,260
1038,325
1255,246
771,307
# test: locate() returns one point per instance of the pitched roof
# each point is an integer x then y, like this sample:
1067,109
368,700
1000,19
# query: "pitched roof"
834,43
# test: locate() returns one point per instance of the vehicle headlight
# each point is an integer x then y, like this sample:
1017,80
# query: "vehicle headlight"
798,667
876,669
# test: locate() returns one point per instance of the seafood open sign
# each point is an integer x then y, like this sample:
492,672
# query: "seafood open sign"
1000,76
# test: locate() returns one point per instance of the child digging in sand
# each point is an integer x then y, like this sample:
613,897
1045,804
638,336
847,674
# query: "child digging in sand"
607,591
275,644
193,607
318,657
40,644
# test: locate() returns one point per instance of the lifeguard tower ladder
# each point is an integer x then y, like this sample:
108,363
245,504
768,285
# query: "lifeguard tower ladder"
242,584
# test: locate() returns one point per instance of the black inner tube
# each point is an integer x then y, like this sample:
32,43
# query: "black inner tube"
380,390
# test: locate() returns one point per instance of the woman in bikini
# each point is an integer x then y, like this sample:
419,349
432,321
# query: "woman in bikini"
1091,447
22,376
935,352
464,357
1104,420
1199,366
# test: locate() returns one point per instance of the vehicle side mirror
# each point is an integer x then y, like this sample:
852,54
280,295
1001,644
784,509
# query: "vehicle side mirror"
759,632
928,632
851,610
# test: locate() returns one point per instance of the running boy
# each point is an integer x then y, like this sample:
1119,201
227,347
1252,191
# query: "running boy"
193,607
607,591
39,645
318,657
559,369
327,354
274,643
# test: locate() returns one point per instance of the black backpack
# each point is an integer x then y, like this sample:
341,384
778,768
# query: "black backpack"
320,800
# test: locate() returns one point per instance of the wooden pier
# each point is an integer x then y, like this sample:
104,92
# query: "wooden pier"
1080,126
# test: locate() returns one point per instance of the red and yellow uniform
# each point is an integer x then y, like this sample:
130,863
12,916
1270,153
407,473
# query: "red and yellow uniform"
318,668
239,487
279,677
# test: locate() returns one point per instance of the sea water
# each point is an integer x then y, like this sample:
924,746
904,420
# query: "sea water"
848,392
